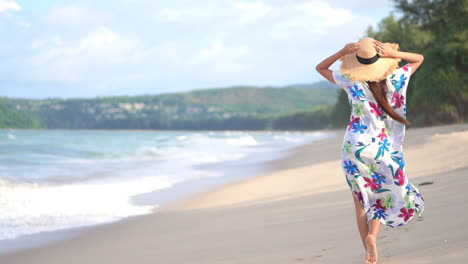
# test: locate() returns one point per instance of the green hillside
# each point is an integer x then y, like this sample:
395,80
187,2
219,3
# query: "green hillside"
10,118
240,107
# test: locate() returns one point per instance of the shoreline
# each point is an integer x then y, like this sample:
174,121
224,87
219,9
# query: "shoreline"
178,191
299,210
250,169
329,156
165,130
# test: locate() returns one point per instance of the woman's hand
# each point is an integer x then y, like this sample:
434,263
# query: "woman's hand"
351,48
323,67
385,51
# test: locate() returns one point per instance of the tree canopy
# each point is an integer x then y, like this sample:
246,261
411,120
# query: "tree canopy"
437,29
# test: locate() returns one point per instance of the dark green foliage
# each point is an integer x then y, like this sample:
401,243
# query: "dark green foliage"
10,118
341,111
438,92
315,118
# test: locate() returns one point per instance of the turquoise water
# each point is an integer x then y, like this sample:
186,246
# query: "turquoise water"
53,180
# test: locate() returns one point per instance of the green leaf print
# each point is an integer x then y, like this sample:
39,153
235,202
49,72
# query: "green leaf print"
354,183
358,154
388,130
358,109
349,183
391,168
347,147
372,168
419,212
383,190
388,201
379,153
409,204
409,200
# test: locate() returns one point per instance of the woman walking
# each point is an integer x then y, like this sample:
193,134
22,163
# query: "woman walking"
372,150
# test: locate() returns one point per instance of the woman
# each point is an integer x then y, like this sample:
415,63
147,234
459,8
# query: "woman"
372,150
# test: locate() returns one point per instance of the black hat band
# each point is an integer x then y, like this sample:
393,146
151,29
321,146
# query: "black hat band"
369,60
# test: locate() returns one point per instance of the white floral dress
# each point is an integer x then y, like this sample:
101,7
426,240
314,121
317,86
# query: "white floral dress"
372,151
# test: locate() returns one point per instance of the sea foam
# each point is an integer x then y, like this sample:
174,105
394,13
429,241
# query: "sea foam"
32,208
53,180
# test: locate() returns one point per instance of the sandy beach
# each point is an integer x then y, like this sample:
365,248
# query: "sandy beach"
300,211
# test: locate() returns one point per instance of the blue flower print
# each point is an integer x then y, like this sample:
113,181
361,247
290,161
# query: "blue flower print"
379,178
398,159
398,84
383,147
350,167
356,92
358,127
380,213
408,188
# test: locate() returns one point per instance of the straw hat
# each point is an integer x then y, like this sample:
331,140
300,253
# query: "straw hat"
366,64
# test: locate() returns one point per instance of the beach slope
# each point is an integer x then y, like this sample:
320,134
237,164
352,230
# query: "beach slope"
301,211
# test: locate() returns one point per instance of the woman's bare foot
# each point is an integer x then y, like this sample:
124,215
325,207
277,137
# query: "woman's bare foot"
371,254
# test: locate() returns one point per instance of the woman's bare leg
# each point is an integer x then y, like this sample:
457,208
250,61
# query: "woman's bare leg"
361,221
371,241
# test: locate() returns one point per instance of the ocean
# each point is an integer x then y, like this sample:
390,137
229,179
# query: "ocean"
60,179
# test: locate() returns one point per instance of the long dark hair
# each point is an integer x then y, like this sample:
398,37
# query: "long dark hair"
379,90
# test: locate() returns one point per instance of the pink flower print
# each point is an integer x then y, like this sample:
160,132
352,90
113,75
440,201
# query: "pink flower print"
399,177
353,121
398,100
359,196
376,108
378,205
372,183
382,135
406,67
406,213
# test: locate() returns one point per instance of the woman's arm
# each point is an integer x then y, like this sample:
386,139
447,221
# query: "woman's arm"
323,67
386,52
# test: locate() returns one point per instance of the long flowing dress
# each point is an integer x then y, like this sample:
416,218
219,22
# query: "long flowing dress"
372,151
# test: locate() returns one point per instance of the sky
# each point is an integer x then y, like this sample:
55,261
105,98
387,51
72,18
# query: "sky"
88,48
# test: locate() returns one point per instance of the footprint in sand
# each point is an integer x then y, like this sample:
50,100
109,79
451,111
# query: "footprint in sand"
312,258
425,183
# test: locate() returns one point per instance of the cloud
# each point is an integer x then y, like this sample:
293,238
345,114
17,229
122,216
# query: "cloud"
77,15
240,12
176,45
170,15
326,15
220,60
251,12
188,13
315,17
96,55
6,5
218,50
214,51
